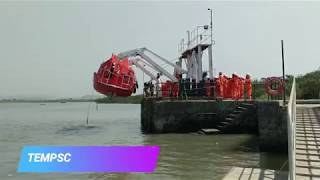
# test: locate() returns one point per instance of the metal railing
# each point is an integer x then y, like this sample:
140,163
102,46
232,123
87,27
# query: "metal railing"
200,35
291,124
205,89
110,77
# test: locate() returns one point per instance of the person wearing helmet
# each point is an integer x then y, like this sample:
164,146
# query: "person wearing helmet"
220,85
234,86
241,83
248,86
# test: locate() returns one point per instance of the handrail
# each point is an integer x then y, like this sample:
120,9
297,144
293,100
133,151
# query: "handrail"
291,124
197,36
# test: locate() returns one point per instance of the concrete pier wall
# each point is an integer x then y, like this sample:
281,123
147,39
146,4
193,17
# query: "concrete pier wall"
268,119
272,118
165,116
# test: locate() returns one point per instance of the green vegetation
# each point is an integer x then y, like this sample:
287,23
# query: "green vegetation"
308,86
122,100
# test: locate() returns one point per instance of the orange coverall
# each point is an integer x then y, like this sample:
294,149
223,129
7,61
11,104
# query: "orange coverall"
248,87
241,87
226,86
234,83
221,83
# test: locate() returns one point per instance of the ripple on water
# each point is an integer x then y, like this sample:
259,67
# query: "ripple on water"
78,129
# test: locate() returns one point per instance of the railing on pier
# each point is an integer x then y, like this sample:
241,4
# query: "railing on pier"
186,89
291,122
180,90
200,35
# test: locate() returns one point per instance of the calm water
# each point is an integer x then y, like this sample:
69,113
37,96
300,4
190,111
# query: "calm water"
182,156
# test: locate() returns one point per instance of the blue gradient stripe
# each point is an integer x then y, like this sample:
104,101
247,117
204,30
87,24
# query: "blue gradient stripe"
88,159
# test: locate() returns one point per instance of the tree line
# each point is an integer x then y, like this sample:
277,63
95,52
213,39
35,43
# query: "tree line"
307,86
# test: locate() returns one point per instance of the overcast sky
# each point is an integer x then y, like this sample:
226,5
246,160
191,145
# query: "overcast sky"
51,49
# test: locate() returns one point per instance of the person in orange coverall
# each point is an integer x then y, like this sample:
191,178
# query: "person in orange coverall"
226,87
220,85
248,86
234,86
241,87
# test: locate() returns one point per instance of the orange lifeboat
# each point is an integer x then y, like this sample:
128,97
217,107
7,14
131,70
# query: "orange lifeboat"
115,77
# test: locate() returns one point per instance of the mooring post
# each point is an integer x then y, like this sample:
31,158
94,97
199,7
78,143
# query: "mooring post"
283,74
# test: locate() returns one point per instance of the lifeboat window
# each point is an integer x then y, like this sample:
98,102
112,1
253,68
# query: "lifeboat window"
111,70
126,79
107,75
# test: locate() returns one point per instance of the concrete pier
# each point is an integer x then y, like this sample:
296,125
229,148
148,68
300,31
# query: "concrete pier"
240,173
307,142
174,116
272,121
267,119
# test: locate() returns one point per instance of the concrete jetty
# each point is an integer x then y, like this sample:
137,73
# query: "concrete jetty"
267,119
241,173
307,142
306,152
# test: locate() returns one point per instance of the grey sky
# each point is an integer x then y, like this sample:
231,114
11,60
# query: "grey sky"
52,48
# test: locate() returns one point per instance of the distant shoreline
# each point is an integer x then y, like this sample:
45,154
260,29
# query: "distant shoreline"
123,100
105,100
43,101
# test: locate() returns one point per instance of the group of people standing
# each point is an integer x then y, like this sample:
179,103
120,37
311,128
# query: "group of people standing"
234,87
148,89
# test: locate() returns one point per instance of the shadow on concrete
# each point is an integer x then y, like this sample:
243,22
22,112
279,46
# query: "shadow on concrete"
237,173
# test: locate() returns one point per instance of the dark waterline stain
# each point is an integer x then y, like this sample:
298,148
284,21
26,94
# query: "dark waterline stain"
77,129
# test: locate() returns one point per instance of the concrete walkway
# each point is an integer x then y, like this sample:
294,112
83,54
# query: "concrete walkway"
239,173
308,142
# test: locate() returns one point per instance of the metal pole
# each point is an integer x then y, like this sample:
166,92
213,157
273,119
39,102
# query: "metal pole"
283,74
210,48
188,33
211,25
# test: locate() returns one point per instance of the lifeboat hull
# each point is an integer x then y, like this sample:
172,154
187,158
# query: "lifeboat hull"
115,77
109,89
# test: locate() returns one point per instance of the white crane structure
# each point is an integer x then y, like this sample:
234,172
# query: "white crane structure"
116,77
191,52
141,58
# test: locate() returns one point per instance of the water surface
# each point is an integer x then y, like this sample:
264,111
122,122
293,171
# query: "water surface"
182,156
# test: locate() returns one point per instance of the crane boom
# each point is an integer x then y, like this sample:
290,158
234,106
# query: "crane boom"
140,56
